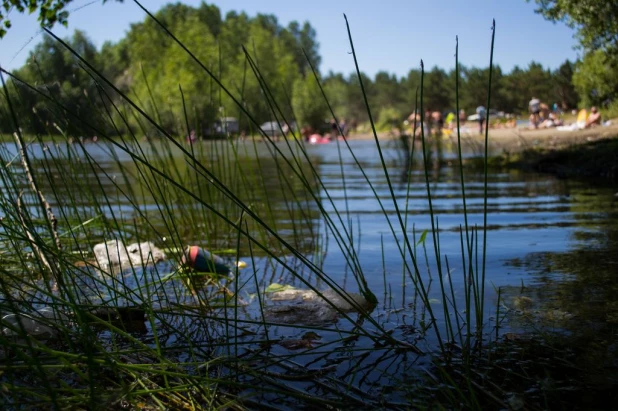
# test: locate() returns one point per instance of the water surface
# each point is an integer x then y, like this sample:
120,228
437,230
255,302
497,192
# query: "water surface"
534,224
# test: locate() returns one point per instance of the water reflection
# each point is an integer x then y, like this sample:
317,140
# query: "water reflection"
527,212
541,232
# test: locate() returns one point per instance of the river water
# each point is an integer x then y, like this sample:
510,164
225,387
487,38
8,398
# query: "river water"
542,233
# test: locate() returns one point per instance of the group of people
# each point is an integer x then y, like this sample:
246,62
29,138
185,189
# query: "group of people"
335,131
434,121
542,117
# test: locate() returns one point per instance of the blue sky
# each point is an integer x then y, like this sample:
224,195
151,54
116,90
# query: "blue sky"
390,35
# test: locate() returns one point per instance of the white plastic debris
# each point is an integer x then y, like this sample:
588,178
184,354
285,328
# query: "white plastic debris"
294,306
42,324
115,254
330,295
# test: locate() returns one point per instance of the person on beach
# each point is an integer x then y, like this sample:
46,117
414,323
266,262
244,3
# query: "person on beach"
192,137
594,118
428,122
306,132
481,112
450,120
333,129
343,126
552,121
462,116
534,106
414,122
438,121
544,111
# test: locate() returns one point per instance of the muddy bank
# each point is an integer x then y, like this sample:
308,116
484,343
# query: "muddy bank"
511,141
584,153
595,159
589,153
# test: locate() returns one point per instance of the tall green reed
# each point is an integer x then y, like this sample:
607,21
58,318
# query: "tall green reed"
195,185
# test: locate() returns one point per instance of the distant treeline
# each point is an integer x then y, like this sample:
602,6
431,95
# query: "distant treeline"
264,66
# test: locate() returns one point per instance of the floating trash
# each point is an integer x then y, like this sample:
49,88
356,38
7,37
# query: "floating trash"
204,261
41,324
310,307
115,254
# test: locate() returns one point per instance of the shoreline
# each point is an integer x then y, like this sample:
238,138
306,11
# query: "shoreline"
509,140
589,153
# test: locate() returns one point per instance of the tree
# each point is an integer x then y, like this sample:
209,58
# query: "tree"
565,90
412,89
596,79
389,94
55,72
301,42
473,88
437,91
355,99
50,12
596,21
336,90
308,102
515,89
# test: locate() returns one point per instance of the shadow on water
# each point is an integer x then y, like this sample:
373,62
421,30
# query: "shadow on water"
556,346
562,321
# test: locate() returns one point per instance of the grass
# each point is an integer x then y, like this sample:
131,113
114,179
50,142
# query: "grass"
196,341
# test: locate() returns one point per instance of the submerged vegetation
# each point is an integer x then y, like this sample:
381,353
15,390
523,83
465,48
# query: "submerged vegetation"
313,319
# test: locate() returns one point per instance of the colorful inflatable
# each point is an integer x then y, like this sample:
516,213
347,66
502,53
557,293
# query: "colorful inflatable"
203,261
318,139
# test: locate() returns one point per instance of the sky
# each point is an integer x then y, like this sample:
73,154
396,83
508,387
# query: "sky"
388,35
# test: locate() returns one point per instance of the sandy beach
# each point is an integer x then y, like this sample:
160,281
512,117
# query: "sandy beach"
516,139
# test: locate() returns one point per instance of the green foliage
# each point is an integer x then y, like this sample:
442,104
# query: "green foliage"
611,111
255,58
473,87
53,69
346,97
440,95
521,85
389,117
596,21
50,12
387,92
564,83
308,102
596,78
228,48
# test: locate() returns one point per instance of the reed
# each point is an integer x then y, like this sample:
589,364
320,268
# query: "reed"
205,341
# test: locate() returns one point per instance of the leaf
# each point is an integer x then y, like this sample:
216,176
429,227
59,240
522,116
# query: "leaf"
189,273
422,239
275,287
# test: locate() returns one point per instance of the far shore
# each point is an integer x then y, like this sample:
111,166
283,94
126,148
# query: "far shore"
503,140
